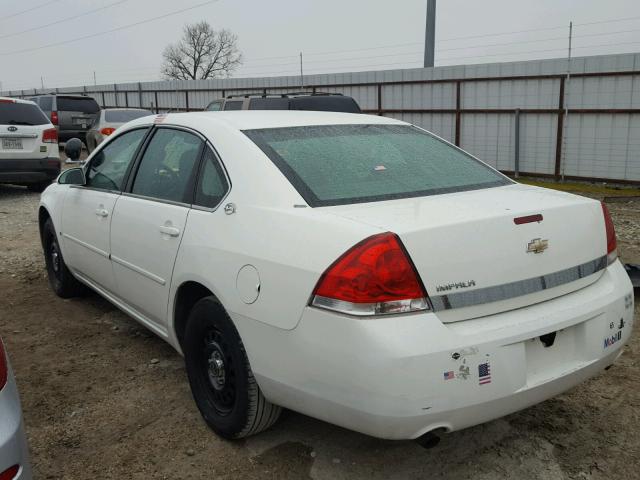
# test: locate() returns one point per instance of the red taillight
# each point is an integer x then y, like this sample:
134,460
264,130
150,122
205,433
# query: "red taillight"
374,277
7,100
107,130
10,473
50,135
612,244
3,367
54,118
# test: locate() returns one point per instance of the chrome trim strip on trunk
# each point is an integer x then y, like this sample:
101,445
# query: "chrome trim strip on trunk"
516,289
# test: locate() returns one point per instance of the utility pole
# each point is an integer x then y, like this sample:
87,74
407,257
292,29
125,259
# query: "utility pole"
301,74
42,82
94,79
566,103
430,34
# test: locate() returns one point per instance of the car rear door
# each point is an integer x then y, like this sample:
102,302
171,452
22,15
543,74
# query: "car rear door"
87,211
149,220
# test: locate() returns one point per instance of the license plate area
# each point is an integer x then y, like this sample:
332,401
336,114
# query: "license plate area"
12,144
546,360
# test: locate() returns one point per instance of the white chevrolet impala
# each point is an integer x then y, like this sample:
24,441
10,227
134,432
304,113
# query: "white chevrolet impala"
354,268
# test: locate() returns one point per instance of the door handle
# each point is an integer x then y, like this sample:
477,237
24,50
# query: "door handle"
171,231
101,212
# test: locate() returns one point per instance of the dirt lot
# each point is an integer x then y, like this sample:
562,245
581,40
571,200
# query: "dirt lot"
103,398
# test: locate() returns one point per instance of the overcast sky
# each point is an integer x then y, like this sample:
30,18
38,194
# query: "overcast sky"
334,35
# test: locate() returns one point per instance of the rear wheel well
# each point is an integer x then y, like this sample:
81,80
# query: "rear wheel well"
188,294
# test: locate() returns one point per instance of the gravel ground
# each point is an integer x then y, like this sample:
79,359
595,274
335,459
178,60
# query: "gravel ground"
103,398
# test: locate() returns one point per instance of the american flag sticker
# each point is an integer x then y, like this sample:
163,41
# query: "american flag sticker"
484,373
449,375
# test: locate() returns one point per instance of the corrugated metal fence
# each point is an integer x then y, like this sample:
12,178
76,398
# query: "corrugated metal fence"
474,106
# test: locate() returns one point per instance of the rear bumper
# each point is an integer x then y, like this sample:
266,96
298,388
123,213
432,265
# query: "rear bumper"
29,170
401,377
13,444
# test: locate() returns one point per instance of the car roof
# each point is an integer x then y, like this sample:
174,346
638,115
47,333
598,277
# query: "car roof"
255,119
17,100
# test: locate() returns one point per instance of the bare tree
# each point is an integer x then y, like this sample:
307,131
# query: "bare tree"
201,53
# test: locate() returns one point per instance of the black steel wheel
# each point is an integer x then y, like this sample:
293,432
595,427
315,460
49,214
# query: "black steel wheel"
220,376
62,281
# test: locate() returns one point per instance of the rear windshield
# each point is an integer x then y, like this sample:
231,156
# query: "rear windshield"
325,104
123,116
267,103
78,104
342,164
21,114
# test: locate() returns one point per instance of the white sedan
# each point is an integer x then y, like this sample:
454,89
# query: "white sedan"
354,268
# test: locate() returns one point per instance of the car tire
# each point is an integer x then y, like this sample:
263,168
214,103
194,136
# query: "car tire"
38,187
222,383
62,281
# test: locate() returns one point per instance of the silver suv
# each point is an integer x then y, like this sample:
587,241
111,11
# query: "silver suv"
72,115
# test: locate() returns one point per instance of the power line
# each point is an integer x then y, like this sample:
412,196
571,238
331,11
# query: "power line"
29,9
104,32
64,19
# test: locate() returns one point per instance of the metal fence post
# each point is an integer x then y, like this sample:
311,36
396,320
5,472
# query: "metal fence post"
115,93
140,95
516,170
155,96
186,100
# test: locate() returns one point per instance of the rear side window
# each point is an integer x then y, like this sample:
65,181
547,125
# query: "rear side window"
108,167
46,103
21,114
342,164
272,103
168,167
233,105
212,184
78,104
123,116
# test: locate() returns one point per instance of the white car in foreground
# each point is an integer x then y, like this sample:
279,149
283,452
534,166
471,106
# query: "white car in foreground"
350,267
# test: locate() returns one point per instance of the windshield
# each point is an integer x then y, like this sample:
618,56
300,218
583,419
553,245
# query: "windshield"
21,114
342,164
123,116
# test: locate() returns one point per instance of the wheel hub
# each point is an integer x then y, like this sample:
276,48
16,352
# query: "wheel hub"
216,371
55,258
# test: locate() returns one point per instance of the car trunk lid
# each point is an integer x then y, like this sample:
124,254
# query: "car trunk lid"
475,260
21,141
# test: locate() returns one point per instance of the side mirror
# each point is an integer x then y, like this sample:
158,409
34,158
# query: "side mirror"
73,176
73,149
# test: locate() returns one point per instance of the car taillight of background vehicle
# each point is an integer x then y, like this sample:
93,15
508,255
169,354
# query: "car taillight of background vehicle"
54,118
375,277
10,473
3,366
612,244
50,135
7,100
107,130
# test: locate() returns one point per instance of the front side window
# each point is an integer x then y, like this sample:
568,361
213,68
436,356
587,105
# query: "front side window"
214,106
343,164
212,184
108,167
168,166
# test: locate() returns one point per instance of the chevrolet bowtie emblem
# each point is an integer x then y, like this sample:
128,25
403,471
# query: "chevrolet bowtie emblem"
537,245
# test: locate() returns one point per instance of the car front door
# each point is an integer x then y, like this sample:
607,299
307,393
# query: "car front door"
149,221
87,211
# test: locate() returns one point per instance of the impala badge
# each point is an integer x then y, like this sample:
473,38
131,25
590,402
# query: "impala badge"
537,245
